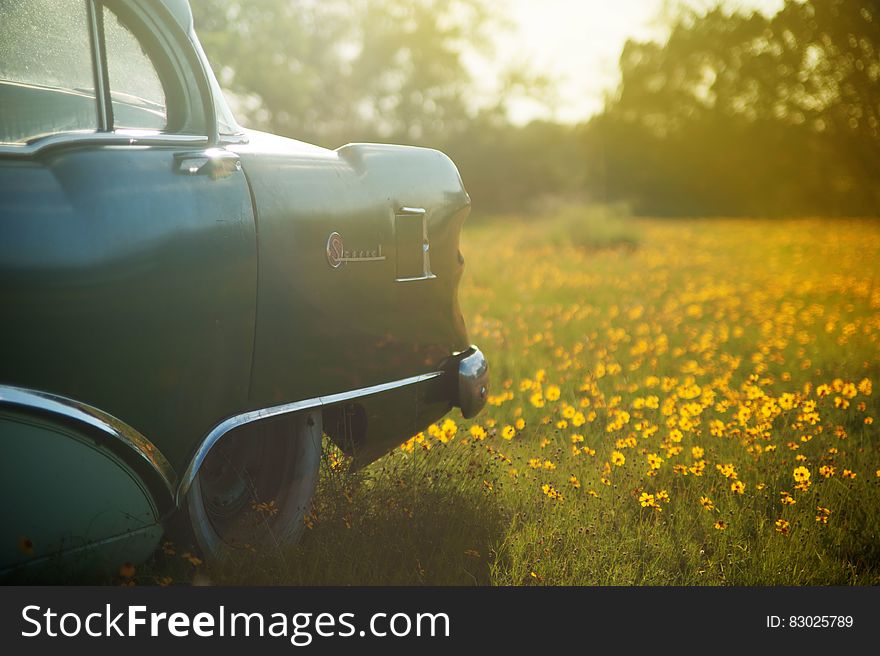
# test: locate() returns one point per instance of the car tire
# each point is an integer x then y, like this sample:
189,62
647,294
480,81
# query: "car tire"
255,488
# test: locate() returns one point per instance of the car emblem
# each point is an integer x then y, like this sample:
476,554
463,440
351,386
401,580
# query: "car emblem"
335,250
337,255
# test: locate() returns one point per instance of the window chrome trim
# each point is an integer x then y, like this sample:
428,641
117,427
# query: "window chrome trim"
119,138
99,75
82,413
237,421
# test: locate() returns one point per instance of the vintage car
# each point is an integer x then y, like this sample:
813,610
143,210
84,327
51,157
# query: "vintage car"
189,306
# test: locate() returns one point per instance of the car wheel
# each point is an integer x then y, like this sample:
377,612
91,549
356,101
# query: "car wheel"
255,487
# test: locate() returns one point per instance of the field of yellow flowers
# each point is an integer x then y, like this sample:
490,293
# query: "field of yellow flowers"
698,405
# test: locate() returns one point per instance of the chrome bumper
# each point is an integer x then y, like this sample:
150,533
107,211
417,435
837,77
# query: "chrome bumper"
473,382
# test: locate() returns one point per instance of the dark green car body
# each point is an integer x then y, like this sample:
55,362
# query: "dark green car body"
162,288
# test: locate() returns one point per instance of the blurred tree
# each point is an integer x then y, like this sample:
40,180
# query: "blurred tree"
513,168
735,114
331,70
749,114
334,71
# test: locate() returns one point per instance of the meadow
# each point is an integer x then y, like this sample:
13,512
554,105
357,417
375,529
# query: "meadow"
674,402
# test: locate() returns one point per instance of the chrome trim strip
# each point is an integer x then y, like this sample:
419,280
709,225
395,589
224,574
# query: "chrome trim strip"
91,416
417,278
234,139
422,215
412,211
120,138
236,421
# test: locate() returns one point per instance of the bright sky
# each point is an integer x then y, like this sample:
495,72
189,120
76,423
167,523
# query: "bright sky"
578,43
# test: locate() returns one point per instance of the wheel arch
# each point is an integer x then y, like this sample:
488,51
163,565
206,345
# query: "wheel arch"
124,441
316,404
89,491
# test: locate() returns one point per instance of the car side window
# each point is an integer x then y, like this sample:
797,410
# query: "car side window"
136,90
46,80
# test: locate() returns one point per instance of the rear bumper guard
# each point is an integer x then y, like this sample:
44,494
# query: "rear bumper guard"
473,382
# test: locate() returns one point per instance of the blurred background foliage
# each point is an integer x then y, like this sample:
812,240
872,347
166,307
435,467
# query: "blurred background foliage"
735,114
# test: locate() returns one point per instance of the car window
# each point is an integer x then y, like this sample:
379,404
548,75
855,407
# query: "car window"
135,88
46,80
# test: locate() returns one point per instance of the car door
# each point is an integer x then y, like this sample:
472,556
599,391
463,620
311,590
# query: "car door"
128,248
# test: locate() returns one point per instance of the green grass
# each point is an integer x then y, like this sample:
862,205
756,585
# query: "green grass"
744,308
590,227
565,225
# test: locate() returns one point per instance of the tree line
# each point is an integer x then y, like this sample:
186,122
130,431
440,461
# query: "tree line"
734,114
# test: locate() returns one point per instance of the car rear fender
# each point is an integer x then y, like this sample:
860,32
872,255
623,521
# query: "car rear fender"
359,265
